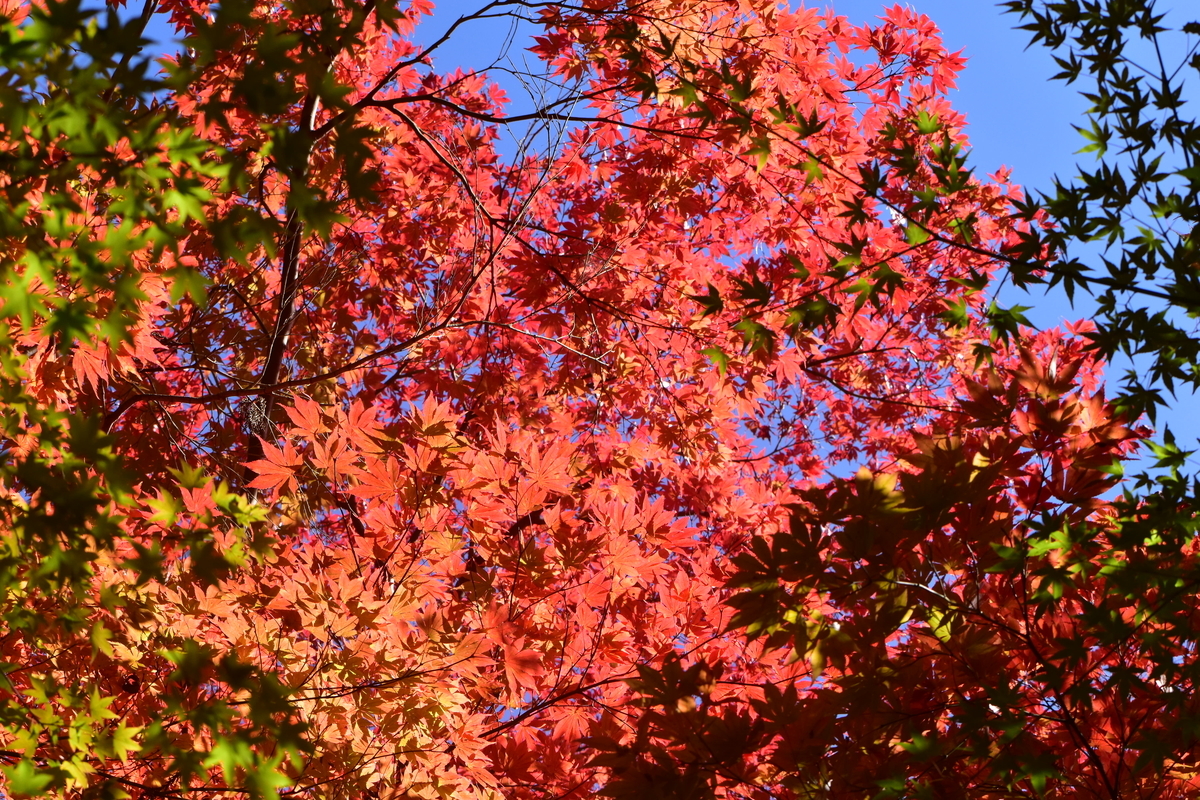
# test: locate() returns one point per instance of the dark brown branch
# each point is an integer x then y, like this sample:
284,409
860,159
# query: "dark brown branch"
540,115
419,58
293,241
261,389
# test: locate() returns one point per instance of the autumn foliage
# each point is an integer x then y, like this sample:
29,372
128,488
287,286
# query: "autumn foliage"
348,455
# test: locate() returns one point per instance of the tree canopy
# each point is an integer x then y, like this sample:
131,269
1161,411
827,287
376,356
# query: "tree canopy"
684,453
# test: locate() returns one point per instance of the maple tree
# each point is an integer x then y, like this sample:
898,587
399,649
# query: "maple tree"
347,456
981,620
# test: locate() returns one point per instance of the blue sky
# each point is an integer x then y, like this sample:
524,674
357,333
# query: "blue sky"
1017,116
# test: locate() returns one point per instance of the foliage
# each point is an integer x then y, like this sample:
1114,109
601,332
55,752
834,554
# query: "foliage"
1139,200
979,621
101,187
346,455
